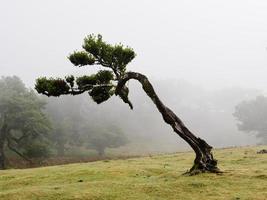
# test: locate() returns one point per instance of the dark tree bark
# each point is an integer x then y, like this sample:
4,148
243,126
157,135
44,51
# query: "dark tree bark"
204,161
2,156
2,146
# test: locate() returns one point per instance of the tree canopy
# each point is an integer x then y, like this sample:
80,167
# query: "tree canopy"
100,86
21,117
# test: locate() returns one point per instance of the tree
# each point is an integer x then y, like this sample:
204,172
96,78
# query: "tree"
252,117
105,83
36,148
66,119
100,137
21,117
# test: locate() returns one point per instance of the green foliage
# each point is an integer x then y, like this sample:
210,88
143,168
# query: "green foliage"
101,94
70,80
115,57
100,78
88,81
21,109
122,56
37,149
104,77
96,52
93,44
21,114
81,58
52,87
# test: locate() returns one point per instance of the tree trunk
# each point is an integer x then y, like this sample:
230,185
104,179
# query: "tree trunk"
2,146
204,161
2,156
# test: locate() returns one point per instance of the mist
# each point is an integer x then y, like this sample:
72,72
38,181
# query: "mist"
208,113
215,44
203,57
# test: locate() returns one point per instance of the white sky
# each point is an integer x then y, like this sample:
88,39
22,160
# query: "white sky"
213,43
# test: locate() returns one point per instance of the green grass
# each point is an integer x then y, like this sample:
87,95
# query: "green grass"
156,178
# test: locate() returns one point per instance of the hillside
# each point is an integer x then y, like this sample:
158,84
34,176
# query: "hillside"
155,177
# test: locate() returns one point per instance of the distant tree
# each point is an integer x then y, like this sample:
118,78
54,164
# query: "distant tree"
21,118
66,119
105,83
36,148
252,116
100,137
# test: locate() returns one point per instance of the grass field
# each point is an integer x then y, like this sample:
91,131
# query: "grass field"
155,177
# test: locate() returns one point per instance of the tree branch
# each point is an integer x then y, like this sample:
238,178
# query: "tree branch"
16,151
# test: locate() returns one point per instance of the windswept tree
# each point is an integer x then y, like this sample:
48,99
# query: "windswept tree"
112,80
21,119
252,117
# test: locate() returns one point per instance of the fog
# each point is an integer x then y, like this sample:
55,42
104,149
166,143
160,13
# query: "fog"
208,113
203,57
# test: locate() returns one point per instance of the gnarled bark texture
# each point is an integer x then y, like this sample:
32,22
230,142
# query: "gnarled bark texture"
204,161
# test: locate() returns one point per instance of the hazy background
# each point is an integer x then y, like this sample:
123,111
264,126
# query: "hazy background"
204,57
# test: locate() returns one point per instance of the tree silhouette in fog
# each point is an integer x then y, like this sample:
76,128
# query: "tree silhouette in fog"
22,121
252,117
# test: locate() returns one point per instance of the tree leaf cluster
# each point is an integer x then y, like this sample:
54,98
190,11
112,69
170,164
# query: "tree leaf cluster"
100,86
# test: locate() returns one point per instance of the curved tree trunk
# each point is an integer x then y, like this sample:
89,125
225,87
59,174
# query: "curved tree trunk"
204,161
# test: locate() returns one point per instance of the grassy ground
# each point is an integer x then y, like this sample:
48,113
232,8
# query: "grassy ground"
155,178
